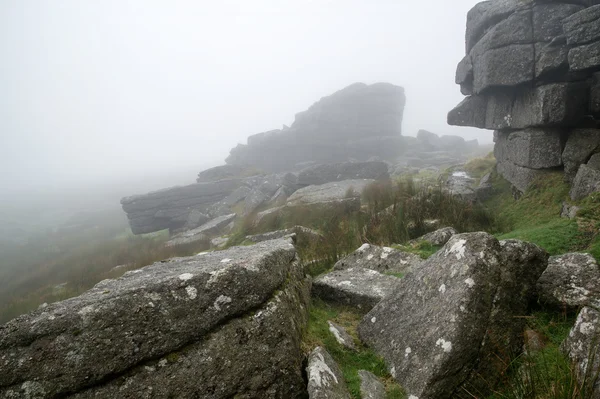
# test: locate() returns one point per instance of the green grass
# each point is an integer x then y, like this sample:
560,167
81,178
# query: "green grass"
350,362
478,167
422,248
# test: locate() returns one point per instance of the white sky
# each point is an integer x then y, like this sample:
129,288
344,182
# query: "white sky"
95,90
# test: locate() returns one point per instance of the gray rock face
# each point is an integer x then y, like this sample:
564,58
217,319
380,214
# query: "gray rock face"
341,336
439,237
586,182
485,189
380,259
569,211
581,346
445,324
530,148
170,208
553,105
328,130
520,177
358,287
595,96
460,185
325,379
370,386
321,174
330,193
148,327
571,279
224,172
583,27
203,232
580,146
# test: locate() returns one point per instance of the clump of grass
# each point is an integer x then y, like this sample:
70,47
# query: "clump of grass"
478,167
350,362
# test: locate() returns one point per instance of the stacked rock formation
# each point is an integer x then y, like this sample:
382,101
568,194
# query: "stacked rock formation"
359,122
531,74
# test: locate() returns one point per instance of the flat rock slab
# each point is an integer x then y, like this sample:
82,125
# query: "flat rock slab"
298,230
341,336
370,386
144,315
381,259
447,325
325,379
329,192
571,279
202,232
439,237
362,288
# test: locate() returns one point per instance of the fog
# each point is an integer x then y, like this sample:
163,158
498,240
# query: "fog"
109,93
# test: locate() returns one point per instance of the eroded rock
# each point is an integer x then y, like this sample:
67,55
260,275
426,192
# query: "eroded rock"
325,379
381,259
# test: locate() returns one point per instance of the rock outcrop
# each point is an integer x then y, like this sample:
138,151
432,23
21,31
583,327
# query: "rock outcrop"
325,379
448,325
357,122
347,191
328,173
529,74
380,259
215,325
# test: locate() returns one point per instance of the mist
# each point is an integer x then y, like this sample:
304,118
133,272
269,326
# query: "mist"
127,95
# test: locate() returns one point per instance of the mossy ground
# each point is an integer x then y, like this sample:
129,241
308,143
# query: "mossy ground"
350,362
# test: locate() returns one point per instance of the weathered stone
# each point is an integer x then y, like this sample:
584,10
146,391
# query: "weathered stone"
460,185
381,259
569,211
439,237
268,214
530,148
571,279
341,336
451,324
583,27
485,189
310,234
358,287
551,60
219,242
503,67
585,57
203,232
464,75
370,386
558,104
169,208
321,174
237,196
580,146
325,379
520,177
581,346
329,192
121,328
255,199
586,182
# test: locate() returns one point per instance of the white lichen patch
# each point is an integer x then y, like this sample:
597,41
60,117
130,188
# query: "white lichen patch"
336,333
319,372
445,345
470,282
370,256
586,328
192,292
186,276
86,310
393,372
407,351
226,260
345,283
373,319
221,301
202,253
442,288
363,248
162,362
386,252
413,397
458,249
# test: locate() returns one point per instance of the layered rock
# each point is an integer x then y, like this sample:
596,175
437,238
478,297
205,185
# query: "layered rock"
529,74
216,325
356,122
450,326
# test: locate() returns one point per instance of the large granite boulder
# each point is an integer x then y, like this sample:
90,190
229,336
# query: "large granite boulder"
170,208
204,232
450,326
381,259
215,325
357,287
530,148
327,132
587,181
321,174
439,237
572,280
580,146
